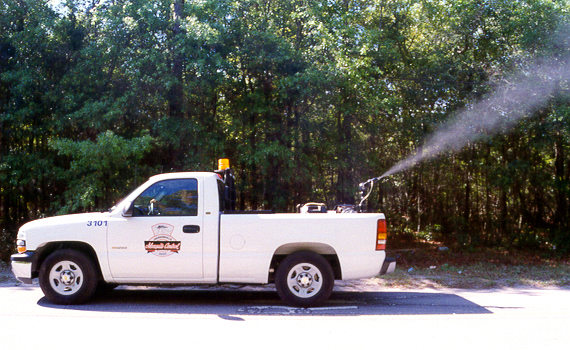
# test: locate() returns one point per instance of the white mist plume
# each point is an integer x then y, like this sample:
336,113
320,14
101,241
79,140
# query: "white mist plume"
517,98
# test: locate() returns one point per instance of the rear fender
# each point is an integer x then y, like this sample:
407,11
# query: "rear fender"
325,250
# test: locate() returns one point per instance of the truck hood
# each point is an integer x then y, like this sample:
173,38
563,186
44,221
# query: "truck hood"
63,220
75,227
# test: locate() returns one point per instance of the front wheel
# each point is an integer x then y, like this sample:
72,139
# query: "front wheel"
68,277
304,279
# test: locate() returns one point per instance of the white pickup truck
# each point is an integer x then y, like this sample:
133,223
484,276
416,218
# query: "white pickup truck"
173,230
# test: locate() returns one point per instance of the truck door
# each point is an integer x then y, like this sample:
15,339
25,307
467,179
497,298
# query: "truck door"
162,241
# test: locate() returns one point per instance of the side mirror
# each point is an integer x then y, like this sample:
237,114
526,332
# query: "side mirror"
128,209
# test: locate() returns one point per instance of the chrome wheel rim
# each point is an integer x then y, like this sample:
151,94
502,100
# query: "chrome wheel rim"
66,277
304,280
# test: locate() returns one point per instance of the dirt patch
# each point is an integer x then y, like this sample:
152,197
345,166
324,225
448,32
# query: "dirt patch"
6,276
445,268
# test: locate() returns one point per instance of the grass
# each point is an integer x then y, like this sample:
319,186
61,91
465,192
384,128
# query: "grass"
431,268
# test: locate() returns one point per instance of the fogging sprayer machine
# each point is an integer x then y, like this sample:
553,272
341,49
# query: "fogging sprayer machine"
365,189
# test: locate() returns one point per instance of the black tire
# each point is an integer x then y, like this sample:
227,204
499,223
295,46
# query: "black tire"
304,279
68,277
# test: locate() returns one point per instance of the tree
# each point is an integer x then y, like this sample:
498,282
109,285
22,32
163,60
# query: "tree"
98,169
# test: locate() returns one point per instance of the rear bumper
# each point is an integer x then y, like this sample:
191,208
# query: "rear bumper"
388,266
22,266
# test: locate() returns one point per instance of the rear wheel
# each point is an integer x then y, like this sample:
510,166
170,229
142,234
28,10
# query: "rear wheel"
68,277
304,279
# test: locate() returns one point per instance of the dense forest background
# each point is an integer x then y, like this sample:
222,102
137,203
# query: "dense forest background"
308,98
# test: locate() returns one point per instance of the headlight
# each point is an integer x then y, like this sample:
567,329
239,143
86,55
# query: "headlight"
21,246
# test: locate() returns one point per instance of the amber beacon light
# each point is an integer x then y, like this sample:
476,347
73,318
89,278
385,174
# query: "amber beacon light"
223,164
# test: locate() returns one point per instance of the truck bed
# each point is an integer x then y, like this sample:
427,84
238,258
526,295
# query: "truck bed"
252,239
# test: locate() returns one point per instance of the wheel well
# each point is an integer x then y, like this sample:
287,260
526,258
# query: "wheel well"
332,259
43,252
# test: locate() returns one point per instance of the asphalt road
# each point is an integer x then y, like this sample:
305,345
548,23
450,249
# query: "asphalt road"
239,318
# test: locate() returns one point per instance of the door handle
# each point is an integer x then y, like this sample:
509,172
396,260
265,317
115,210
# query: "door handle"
191,229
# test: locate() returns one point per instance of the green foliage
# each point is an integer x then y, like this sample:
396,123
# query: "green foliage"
307,98
99,168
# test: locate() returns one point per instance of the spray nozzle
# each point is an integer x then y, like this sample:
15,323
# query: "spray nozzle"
363,185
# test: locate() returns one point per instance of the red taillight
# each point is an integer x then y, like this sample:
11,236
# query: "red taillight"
381,235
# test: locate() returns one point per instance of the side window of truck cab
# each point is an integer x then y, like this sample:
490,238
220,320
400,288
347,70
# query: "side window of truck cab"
177,197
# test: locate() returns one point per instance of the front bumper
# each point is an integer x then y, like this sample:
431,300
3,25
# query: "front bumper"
388,266
22,266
